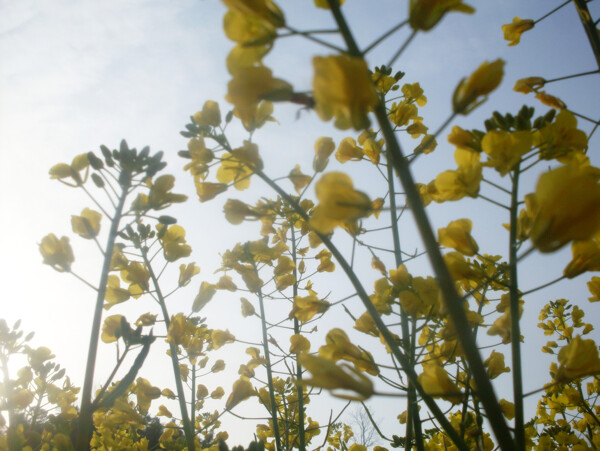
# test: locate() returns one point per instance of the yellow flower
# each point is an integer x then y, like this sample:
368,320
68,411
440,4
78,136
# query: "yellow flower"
458,236
62,170
425,14
264,10
218,366
138,277
114,293
251,33
514,30
207,190
247,308
495,365
173,241
248,87
226,283
186,272
464,181
324,4
339,203
233,170
298,179
326,374
242,390
221,337
207,291
578,359
88,224
472,91
57,253
550,100
414,92
436,382
299,343
586,257
324,147
217,393
348,150
210,114
145,393
164,412
160,196
561,139
502,326
568,206
505,149
338,346
529,84
400,114
343,89
508,409
305,308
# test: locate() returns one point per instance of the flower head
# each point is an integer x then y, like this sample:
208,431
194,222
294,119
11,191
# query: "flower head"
425,14
57,253
472,91
343,89
514,30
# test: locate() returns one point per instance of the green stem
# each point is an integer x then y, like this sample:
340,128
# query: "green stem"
514,315
589,27
188,427
274,408
84,431
299,388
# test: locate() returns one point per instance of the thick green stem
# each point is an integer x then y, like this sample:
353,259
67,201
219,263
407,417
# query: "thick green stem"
188,427
84,428
274,408
299,388
589,27
515,315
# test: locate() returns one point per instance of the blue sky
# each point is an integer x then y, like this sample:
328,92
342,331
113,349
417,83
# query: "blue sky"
77,74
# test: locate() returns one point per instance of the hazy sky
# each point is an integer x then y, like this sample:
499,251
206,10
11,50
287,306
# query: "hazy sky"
77,74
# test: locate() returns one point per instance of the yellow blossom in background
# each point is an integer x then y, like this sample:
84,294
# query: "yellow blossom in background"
62,171
400,114
586,257
233,170
365,324
578,359
226,283
348,150
339,203
173,241
513,31
242,390
299,343
502,326
568,206
457,235
550,100
298,179
436,382
472,91
217,393
186,272
561,139
147,319
164,412
464,139
114,293
508,409
338,346
111,329
464,181
324,147
87,225
57,253
138,277
207,291
207,190
425,14
495,365
221,337
210,114
247,308
414,92
505,149
245,29
218,366
343,89
145,393
529,84
236,211
265,10
594,287
326,374
305,308
249,86
160,195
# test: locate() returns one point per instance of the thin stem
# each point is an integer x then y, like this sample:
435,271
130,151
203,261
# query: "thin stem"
515,315
188,427
566,77
310,37
274,409
401,49
552,12
589,27
384,36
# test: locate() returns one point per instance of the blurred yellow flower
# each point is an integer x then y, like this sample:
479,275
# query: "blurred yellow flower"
305,308
505,149
436,382
265,10
568,206
210,114
561,139
221,337
550,100
299,343
578,359
495,365
173,241
586,257
242,390
87,225
529,84
457,235
339,203
472,91
343,89
425,14
324,147
186,272
57,253
514,30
